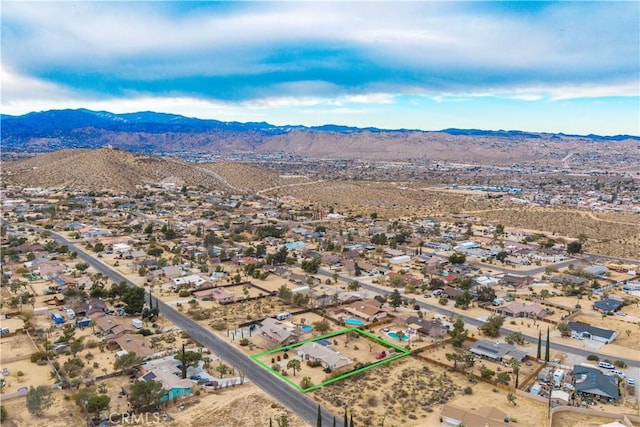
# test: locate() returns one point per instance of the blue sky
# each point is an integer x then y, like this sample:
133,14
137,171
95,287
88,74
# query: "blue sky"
568,67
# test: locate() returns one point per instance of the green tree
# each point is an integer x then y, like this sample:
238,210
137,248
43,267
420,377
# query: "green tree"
39,399
127,362
188,358
354,285
574,247
485,293
134,300
486,373
546,351
81,266
294,365
322,327
504,377
458,333
457,258
222,369
145,393
311,266
539,354
491,327
395,299
564,328
98,403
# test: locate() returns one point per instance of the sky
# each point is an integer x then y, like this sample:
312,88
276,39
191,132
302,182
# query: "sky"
569,66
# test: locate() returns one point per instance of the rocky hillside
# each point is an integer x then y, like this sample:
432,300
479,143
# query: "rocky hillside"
118,170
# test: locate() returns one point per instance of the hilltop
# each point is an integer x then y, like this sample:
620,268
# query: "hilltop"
150,132
118,170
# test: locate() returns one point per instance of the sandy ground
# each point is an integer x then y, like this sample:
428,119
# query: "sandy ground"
241,406
571,419
411,393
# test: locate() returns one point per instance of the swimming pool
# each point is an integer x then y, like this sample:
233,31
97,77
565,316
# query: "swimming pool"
396,337
306,328
355,322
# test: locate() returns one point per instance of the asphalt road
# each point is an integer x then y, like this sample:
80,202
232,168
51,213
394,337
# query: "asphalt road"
297,402
475,322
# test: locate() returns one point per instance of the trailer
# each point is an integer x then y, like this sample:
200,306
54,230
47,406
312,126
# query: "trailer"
57,318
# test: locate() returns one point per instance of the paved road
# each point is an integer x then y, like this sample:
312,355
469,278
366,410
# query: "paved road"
297,402
475,322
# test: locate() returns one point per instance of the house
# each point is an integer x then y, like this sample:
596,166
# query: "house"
516,281
49,270
583,330
497,351
597,270
451,292
191,280
482,417
430,328
519,309
591,382
367,310
276,332
134,343
607,305
328,358
85,307
172,384
111,326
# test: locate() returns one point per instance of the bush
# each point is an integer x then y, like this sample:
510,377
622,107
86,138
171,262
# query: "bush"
145,332
620,364
279,358
285,356
244,342
38,356
468,390
593,357
184,293
219,326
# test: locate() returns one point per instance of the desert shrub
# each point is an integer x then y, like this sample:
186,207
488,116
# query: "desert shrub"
620,364
487,373
145,332
593,357
38,356
279,358
372,401
285,356
184,293
313,363
219,326
244,342
468,390
91,344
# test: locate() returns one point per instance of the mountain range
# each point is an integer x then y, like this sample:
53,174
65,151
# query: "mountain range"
152,132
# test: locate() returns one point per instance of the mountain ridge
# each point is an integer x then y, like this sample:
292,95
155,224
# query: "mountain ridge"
150,132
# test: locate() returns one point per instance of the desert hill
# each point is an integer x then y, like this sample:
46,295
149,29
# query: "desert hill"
120,170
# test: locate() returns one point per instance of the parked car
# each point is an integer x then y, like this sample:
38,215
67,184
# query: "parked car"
631,381
381,355
621,313
617,372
